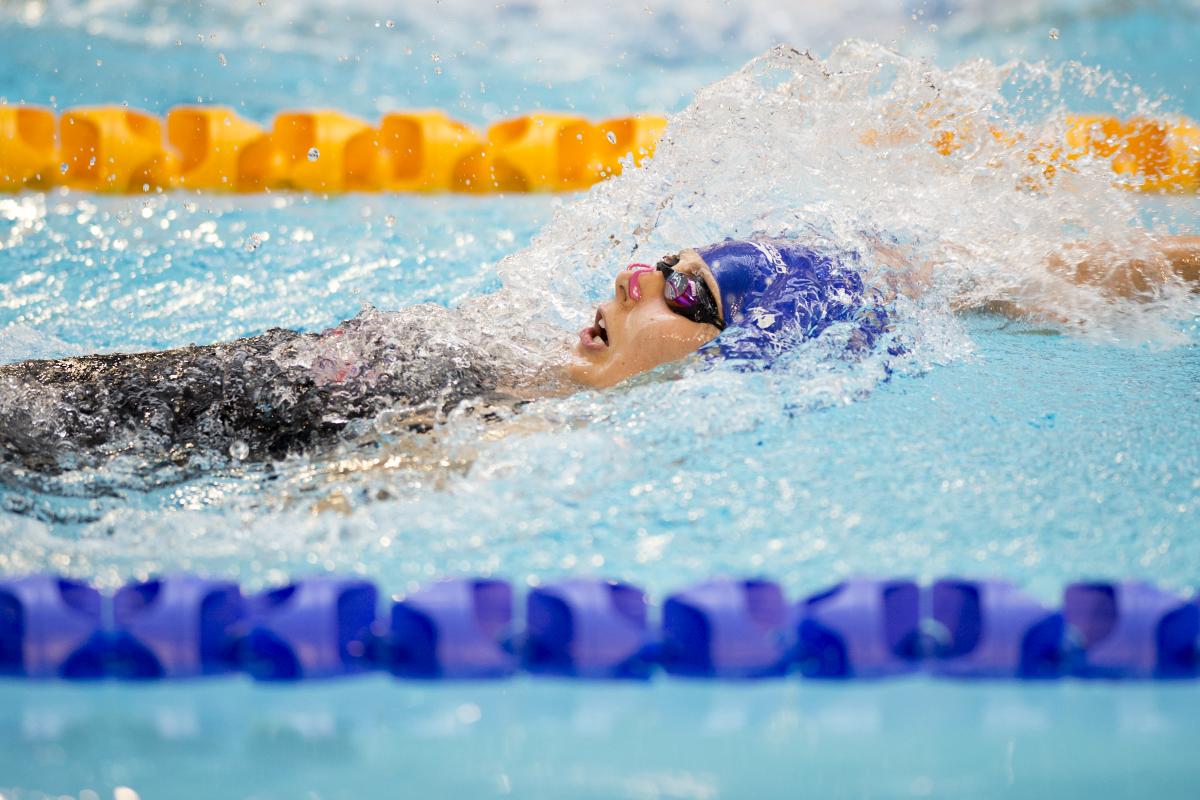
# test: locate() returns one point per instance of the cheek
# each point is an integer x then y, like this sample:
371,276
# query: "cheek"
660,338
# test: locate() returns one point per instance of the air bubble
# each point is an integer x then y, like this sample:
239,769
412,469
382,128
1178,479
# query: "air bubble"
389,220
222,60
238,450
1054,34
313,154
612,137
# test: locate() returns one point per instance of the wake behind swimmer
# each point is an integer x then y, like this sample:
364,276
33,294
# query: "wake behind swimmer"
260,398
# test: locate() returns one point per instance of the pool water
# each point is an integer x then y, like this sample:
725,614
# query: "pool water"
991,447
908,738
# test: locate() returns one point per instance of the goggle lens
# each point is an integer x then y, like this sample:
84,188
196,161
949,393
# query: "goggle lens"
681,290
688,295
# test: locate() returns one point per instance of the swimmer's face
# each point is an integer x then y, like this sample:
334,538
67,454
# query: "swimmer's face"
632,333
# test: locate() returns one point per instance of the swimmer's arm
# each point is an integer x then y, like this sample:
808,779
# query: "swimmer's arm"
1184,254
903,275
1130,274
1115,272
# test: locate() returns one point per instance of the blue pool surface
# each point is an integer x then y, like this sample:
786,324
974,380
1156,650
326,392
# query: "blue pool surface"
1019,451
906,738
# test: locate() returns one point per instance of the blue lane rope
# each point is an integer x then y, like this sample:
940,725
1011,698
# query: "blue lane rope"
184,626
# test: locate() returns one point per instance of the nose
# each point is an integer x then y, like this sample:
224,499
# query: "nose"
629,280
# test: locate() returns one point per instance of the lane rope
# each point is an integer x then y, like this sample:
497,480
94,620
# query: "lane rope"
211,148
185,626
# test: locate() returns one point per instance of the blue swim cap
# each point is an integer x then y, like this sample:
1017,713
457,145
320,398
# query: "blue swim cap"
772,287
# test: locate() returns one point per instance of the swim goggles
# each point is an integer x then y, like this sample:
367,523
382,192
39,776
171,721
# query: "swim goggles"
686,294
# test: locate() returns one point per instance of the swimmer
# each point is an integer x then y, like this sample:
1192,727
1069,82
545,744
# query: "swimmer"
284,392
738,298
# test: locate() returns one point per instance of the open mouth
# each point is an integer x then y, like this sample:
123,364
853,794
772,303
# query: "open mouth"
595,336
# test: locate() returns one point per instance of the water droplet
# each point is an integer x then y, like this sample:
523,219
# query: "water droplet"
391,23
63,168
389,220
435,57
933,28
612,137
253,242
99,62
222,60
468,714
1054,34
123,217
313,154
238,450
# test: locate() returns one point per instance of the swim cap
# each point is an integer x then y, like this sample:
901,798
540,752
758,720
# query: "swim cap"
770,287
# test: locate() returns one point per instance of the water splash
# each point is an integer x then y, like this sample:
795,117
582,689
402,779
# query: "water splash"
837,150
844,150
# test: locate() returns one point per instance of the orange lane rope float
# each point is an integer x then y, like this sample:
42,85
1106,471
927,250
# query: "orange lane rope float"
212,148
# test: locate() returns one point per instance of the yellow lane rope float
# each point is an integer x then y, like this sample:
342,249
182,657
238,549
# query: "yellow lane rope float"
212,148
1145,154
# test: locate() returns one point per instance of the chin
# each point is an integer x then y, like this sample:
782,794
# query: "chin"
580,370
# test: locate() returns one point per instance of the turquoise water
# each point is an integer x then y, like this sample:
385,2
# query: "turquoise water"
1000,448
547,740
